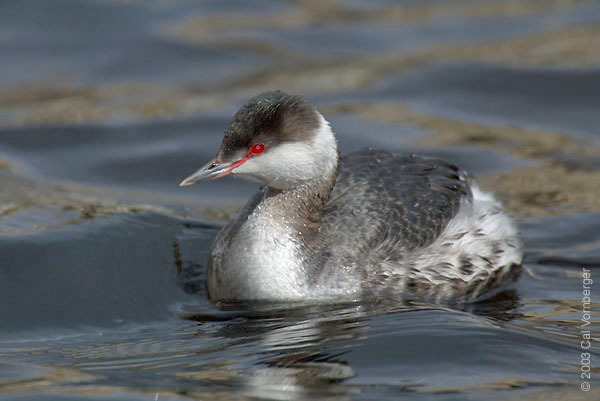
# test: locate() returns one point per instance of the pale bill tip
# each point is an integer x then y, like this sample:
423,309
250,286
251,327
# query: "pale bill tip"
186,182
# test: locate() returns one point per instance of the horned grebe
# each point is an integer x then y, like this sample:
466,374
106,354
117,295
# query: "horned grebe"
369,223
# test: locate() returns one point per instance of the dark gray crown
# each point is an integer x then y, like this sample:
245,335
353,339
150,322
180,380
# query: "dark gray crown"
270,118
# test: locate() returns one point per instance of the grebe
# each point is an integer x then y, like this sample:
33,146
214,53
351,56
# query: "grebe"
370,223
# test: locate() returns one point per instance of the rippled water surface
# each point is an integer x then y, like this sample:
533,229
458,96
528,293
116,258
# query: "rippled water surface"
106,105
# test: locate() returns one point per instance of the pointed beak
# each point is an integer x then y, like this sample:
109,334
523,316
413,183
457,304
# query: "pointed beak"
210,171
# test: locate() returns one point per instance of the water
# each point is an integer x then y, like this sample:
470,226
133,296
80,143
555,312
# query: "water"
106,105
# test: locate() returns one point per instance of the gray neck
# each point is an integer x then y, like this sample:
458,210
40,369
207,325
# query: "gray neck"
300,206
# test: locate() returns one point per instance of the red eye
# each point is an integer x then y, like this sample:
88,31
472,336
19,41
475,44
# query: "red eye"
256,149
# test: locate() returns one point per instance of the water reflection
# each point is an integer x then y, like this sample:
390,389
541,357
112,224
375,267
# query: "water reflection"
303,348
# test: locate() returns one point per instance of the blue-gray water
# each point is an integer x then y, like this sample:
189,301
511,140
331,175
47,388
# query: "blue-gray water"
106,105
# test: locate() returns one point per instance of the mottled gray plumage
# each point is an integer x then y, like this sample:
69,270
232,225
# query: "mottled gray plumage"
369,224
380,195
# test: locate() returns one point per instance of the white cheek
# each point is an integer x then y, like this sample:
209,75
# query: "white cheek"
286,165
294,163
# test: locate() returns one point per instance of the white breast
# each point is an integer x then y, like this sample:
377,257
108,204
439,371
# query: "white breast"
261,262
